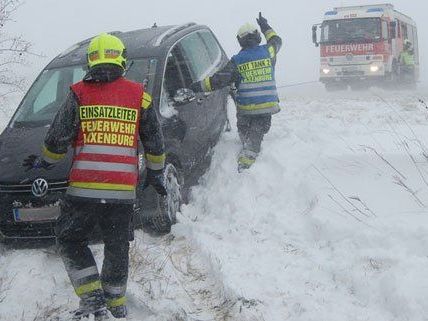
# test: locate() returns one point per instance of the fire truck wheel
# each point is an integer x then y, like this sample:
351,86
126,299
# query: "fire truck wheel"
360,86
331,87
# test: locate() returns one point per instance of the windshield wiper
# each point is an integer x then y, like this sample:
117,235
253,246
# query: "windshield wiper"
30,123
129,66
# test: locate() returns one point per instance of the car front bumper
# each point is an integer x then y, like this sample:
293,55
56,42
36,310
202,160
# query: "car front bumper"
16,197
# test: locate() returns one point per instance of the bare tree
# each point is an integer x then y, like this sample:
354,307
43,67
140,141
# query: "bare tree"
14,50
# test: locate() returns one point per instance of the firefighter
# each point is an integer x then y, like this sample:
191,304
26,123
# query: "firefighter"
252,72
102,118
407,59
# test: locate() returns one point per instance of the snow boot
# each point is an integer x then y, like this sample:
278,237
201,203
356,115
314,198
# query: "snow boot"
92,304
246,159
102,315
82,314
119,312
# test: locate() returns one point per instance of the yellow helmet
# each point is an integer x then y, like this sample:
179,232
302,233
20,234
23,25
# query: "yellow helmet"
106,49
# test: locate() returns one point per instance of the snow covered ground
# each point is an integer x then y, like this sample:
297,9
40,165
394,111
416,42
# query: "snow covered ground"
329,224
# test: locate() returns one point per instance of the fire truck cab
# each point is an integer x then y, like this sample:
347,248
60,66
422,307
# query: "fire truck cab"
362,46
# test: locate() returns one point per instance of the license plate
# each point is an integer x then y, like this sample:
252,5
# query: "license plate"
350,69
36,214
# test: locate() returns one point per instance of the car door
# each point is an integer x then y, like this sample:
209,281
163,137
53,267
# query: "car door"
183,123
204,57
217,102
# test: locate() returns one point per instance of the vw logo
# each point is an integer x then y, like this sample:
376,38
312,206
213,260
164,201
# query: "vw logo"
349,57
40,187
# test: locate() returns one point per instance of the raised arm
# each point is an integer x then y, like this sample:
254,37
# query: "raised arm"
274,42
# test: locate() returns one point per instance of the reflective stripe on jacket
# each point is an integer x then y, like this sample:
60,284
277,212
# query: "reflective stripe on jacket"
105,163
257,93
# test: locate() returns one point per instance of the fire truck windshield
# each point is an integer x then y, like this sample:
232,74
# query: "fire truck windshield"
351,30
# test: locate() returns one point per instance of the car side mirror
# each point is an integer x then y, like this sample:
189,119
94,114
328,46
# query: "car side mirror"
314,36
183,96
392,29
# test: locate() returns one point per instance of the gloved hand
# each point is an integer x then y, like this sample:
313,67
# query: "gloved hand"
262,22
157,180
35,162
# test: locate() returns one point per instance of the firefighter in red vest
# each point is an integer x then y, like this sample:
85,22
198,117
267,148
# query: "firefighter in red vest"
102,118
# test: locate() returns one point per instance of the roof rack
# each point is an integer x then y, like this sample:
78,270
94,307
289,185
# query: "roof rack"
172,31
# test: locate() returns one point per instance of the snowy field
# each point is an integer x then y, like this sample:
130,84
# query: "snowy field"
329,225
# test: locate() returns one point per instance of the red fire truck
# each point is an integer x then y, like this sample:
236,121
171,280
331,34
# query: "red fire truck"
362,46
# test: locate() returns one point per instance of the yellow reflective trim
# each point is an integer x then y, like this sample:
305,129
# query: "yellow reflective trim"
103,186
258,106
246,161
51,155
112,303
207,84
146,101
92,112
270,34
272,51
87,288
155,159
254,65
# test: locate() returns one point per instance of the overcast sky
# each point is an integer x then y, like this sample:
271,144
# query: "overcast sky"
54,25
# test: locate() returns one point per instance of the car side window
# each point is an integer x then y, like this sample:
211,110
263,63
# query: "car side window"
196,55
212,45
177,73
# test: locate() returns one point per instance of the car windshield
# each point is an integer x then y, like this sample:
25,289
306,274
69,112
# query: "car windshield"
50,90
351,30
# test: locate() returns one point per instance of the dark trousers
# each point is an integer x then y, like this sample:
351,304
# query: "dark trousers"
252,129
74,229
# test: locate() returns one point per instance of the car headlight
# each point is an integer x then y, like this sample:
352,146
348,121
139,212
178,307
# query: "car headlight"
374,68
326,71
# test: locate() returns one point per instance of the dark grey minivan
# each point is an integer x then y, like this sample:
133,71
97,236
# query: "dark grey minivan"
167,60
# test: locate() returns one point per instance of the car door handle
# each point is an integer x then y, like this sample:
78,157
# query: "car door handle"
200,100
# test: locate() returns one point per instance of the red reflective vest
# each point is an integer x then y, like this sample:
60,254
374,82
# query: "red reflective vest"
105,163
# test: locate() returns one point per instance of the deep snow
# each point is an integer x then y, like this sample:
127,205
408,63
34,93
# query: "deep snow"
329,224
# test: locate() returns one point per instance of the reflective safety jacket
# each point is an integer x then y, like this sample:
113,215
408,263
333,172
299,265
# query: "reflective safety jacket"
105,163
256,88
252,71
103,120
407,58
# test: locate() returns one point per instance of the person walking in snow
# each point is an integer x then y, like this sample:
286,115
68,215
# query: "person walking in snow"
103,117
407,59
252,72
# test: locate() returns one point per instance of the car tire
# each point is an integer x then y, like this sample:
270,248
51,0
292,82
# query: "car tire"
166,213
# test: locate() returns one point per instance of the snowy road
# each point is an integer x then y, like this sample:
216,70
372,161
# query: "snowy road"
330,224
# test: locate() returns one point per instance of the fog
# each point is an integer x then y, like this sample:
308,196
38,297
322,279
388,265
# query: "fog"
53,25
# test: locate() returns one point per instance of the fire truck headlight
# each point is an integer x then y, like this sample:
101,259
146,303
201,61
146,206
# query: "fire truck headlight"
326,71
374,68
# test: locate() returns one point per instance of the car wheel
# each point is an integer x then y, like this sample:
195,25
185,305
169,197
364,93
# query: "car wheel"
166,213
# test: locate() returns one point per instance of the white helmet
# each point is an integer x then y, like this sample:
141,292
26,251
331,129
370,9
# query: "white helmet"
247,29
248,35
